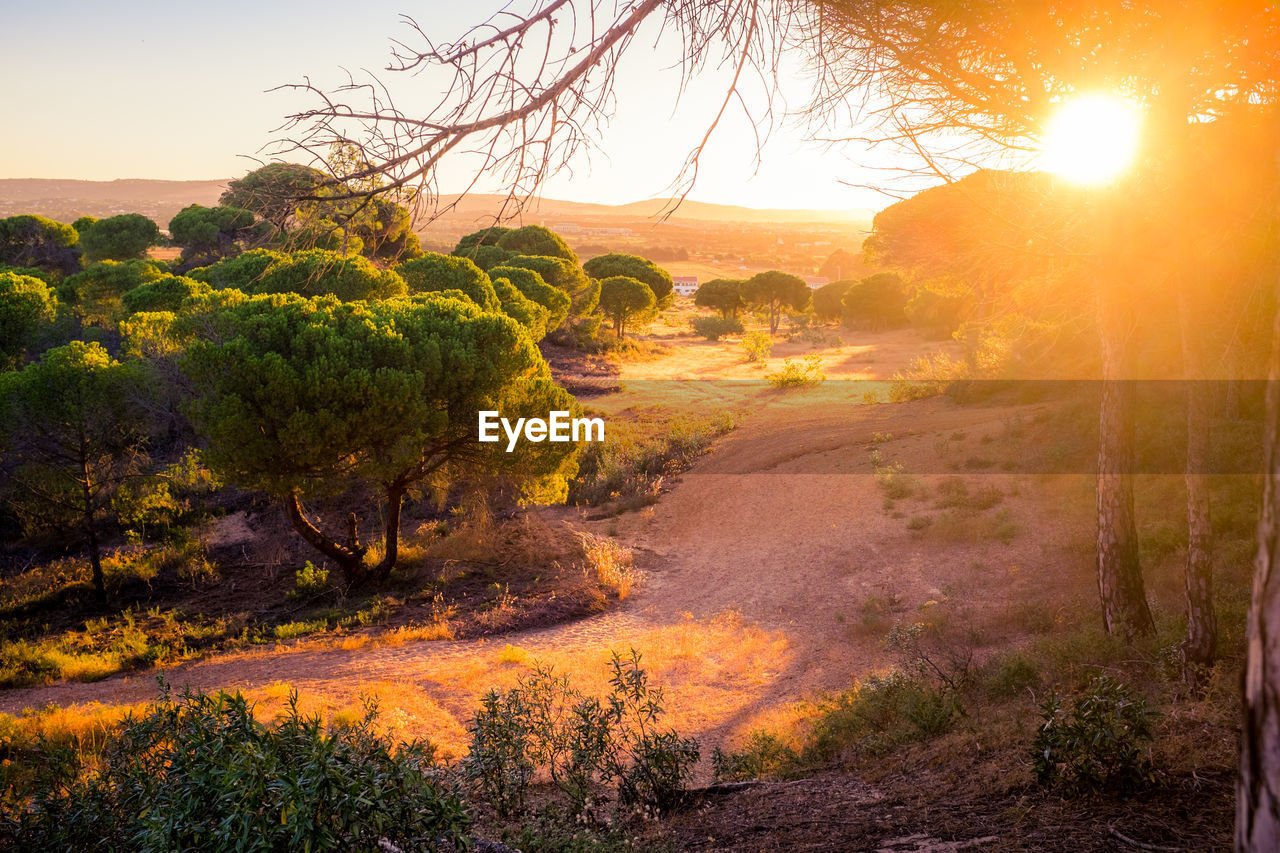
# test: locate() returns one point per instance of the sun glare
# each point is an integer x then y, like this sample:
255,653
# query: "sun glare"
1092,139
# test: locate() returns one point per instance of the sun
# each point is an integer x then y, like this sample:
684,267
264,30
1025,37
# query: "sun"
1092,139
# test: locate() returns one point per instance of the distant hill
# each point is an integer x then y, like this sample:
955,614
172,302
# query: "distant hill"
66,200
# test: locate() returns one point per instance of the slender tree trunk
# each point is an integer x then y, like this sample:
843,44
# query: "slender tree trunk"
349,557
1201,641
1124,602
91,528
1258,789
391,552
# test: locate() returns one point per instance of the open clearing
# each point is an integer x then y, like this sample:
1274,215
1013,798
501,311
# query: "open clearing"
759,566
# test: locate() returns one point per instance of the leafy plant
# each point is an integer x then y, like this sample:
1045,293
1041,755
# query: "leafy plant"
757,345
764,754
582,743
201,773
714,328
1096,745
309,580
797,373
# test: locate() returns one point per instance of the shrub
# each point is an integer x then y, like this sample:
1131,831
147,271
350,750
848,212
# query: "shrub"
1097,745
582,743
309,580
201,773
764,754
757,345
714,328
880,713
797,374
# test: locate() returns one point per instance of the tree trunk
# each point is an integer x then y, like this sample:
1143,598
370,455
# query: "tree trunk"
391,541
1201,642
1258,789
91,528
349,557
1124,602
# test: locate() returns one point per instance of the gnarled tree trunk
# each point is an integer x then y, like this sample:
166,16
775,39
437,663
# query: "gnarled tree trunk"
1124,601
1258,790
349,557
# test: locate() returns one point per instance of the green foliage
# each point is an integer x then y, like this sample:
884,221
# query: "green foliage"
168,293
272,191
201,773
96,292
1098,744
583,743
636,458
633,266
209,233
301,397
773,291
797,373
484,237
317,272
385,229
119,238
828,300
521,308
27,309
757,345
764,755
436,272
75,425
879,714
532,285
876,302
564,275
721,294
34,241
243,272
624,299
536,240
713,328
309,580
84,223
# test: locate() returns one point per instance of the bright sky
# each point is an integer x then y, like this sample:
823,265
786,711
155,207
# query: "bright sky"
140,89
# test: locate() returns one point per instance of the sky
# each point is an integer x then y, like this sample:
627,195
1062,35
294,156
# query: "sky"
170,90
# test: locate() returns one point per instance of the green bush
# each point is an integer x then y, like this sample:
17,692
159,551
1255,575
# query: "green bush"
714,328
757,345
764,754
201,773
583,743
1098,744
879,714
797,374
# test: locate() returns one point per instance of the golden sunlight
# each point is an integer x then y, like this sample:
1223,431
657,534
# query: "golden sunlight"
1092,139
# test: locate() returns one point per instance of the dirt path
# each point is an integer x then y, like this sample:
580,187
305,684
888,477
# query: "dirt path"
759,563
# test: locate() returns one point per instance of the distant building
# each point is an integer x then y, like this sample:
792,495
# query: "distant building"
685,285
816,281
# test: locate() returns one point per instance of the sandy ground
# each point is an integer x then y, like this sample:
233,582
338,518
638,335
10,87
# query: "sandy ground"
758,564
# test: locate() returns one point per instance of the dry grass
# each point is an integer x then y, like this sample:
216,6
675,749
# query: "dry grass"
611,563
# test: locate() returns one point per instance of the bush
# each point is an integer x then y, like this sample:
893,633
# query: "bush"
879,714
764,754
757,345
1097,745
714,328
583,743
797,374
201,773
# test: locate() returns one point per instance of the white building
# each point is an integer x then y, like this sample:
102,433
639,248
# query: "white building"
685,285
